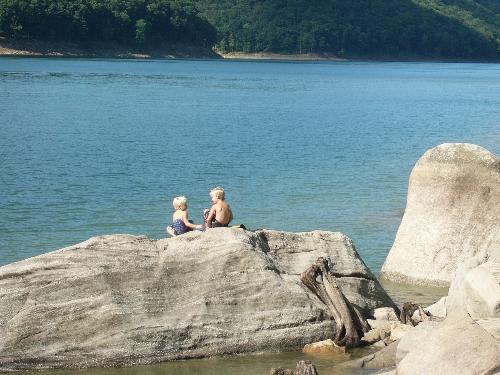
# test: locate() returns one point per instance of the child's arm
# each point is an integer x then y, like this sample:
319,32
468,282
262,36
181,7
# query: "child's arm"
210,217
185,219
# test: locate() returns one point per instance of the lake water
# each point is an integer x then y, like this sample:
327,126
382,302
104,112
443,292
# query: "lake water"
258,364
96,146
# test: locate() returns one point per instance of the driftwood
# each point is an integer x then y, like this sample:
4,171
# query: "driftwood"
407,311
302,368
349,321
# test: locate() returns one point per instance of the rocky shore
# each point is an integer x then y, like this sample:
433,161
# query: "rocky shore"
124,300
35,48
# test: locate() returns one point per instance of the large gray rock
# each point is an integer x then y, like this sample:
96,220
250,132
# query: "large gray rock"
475,292
482,286
476,289
122,300
458,345
452,214
467,341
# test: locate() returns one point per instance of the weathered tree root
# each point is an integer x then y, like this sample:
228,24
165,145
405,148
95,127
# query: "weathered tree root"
350,324
302,368
407,311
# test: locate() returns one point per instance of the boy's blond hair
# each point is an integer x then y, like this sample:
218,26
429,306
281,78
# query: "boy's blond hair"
179,201
218,192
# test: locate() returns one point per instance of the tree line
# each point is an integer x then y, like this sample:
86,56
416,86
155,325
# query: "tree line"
453,28
141,22
428,28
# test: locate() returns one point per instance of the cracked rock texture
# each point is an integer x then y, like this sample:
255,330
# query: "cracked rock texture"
452,214
123,300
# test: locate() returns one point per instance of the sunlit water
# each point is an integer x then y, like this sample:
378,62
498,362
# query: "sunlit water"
91,147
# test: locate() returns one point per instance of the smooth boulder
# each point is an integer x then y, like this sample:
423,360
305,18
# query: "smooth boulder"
124,300
452,214
457,345
467,341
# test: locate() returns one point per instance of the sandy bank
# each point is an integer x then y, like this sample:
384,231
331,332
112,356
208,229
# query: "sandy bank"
281,56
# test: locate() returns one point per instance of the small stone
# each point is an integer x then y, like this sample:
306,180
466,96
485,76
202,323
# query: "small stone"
382,324
375,335
385,313
322,347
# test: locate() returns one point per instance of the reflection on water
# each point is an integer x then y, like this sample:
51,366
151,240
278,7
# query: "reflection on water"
257,364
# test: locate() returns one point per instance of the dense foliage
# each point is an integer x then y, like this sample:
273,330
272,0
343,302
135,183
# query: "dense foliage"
458,28
449,28
124,21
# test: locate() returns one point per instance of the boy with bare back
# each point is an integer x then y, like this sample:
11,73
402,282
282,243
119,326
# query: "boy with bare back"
220,215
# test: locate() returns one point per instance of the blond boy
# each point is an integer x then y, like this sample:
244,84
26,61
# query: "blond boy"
220,215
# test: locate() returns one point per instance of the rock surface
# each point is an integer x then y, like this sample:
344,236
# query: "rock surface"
384,358
438,309
475,291
458,345
467,341
385,313
452,214
124,300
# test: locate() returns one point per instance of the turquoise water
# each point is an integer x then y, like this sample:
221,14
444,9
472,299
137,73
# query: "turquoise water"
92,146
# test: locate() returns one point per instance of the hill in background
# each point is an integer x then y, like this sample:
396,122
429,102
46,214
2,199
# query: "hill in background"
465,29
431,28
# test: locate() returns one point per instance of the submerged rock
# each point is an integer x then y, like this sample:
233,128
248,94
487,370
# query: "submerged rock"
452,214
123,300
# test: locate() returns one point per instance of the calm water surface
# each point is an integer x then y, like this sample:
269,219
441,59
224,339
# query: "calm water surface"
92,146
259,364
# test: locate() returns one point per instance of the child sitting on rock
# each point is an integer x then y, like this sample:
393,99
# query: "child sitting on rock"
220,215
180,218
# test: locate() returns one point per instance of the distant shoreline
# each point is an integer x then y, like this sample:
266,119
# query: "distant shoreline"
325,56
281,56
33,48
36,48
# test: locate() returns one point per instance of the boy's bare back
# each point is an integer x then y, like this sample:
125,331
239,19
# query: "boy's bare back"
220,212
223,213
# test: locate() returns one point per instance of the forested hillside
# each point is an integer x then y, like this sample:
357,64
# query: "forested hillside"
455,28
142,22
420,28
